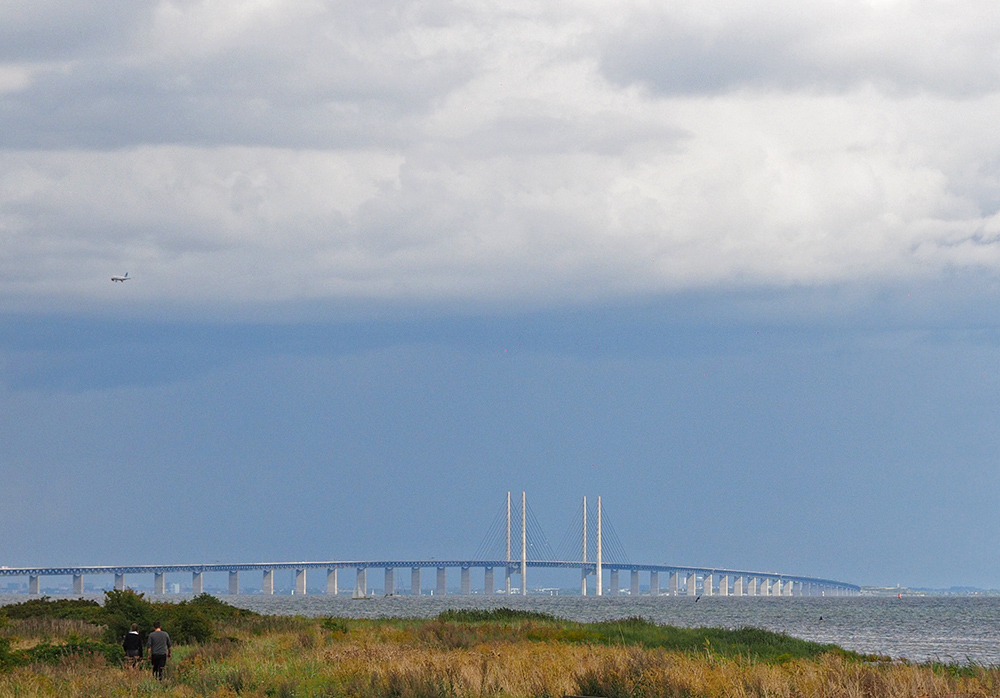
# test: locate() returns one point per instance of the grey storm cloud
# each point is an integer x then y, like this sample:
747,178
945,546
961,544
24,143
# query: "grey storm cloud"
332,77
897,46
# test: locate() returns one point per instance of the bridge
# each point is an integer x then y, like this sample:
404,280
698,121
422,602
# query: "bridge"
680,580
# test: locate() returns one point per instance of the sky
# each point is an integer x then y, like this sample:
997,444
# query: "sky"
732,266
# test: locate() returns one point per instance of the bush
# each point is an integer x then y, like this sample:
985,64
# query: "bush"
45,607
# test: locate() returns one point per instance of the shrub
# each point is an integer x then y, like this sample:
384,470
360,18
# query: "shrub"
45,607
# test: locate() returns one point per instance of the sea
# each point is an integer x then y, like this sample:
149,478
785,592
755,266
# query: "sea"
951,629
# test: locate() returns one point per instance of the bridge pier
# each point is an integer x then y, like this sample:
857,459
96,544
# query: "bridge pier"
234,582
159,583
488,588
77,583
738,585
466,581
776,586
633,587
614,585
708,584
673,583
119,582
415,581
441,589
197,582
583,582
389,583
300,582
654,583
724,585
692,584
751,586
361,582
331,582
267,582
33,585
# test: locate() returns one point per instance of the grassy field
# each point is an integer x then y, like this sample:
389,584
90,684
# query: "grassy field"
49,651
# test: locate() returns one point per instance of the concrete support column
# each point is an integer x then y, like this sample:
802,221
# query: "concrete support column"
415,581
751,586
507,580
119,582
361,582
738,585
234,583
672,583
33,585
583,582
764,587
197,583
159,583
692,586
267,583
331,582
790,588
613,585
488,587
724,585
633,587
654,583
708,585
466,581
77,583
389,583
300,582
776,587
442,582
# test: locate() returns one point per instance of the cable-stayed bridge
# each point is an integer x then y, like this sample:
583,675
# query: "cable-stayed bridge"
513,544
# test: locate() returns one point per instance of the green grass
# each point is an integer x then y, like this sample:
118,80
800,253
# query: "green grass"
466,628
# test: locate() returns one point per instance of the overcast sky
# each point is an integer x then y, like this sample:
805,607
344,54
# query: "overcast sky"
733,266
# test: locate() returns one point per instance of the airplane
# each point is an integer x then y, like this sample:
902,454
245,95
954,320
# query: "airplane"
123,279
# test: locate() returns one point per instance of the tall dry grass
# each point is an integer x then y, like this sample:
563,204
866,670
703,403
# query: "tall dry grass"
417,659
27,632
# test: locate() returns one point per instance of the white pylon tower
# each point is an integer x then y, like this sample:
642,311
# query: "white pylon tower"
600,576
583,572
524,545
506,573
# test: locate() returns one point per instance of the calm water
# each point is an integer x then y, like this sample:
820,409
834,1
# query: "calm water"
953,629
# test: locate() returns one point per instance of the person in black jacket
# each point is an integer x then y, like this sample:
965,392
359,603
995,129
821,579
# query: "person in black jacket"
132,645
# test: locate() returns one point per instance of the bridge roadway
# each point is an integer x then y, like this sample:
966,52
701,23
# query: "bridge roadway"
690,581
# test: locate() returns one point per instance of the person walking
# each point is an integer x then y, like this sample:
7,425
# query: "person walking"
159,649
132,644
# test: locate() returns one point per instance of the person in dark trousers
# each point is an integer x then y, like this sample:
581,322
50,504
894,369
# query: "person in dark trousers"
159,650
132,645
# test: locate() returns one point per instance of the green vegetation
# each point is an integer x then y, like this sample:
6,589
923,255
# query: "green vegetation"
467,628
88,627
224,651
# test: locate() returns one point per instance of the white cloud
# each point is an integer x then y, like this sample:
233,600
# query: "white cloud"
247,152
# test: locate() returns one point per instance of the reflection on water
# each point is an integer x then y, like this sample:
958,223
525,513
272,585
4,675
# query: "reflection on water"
953,629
